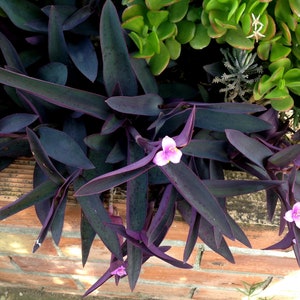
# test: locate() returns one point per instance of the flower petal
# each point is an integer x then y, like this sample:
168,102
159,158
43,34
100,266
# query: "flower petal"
289,216
175,156
160,158
168,143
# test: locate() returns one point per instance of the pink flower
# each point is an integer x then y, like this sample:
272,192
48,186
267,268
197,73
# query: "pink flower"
168,153
293,215
120,271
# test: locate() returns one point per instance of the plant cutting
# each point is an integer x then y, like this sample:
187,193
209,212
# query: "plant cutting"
90,110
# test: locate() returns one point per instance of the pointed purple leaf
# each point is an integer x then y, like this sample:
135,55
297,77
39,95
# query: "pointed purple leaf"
42,158
250,147
117,69
62,96
197,194
143,105
117,177
15,122
63,148
285,157
134,260
42,192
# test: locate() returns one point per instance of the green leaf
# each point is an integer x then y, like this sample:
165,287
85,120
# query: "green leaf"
283,104
25,15
190,187
135,24
159,61
74,99
117,69
291,78
178,11
201,38
156,17
173,47
237,39
186,31
158,4
42,192
279,51
144,105
63,148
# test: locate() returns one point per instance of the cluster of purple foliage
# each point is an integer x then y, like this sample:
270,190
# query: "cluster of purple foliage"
94,118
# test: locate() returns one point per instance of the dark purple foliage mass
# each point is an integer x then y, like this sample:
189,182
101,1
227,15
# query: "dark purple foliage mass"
94,118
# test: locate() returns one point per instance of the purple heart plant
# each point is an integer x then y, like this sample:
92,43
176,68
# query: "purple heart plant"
95,118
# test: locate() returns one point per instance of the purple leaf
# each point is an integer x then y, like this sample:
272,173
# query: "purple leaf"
117,69
137,192
57,46
219,121
40,193
143,105
117,177
63,96
98,218
42,158
79,52
16,122
186,134
78,17
251,148
197,194
87,234
63,148
215,150
285,157
165,210
285,243
134,264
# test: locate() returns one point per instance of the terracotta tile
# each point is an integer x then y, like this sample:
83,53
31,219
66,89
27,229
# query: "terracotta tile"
38,281
250,264
59,266
5,263
71,248
18,243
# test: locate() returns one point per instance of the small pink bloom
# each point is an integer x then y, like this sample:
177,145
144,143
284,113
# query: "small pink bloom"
120,271
293,215
169,153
